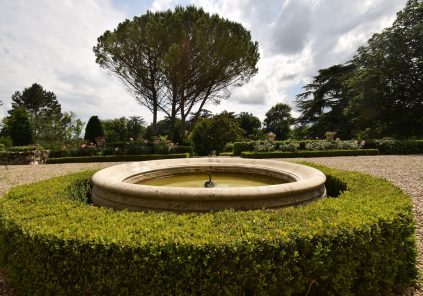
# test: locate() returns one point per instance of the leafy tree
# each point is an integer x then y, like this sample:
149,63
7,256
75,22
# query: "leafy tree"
135,126
206,57
164,127
20,127
132,52
212,134
121,129
249,123
115,130
324,101
177,61
387,86
44,111
278,121
93,129
71,126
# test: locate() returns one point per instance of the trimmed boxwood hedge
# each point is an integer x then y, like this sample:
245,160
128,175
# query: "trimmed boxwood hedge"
396,146
361,242
304,153
114,158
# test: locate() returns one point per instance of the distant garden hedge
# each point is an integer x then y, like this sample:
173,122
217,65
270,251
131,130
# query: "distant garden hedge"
323,153
121,148
361,242
114,158
388,146
385,146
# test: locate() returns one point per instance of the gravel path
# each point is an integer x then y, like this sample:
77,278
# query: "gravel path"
404,171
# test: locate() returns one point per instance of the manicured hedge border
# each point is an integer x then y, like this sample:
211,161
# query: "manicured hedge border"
359,243
114,158
396,146
320,153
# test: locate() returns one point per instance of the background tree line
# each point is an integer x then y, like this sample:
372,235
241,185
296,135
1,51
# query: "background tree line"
379,93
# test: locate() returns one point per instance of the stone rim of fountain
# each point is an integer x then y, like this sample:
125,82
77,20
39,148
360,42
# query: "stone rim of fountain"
114,186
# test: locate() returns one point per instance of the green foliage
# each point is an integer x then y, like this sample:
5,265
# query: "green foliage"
177,61
80,190
212,134
390,146
26,148
114,158
250,124
379,93
295,145
229,147
93,129
278,121
20,128
360,243
164,128
226,154
72,127
122,129
122,148
44,112
387,86
310,153
323,103
243,146
6,141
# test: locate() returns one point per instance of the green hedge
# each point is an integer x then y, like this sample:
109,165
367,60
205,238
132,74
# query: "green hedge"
396,146
226,154
121,148
359,243
323,153
114,158
240,147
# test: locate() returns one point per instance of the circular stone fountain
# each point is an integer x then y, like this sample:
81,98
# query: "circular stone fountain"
240,184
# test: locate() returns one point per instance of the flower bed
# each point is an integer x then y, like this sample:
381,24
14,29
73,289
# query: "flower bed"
322,153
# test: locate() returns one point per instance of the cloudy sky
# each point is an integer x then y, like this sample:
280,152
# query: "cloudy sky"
50,42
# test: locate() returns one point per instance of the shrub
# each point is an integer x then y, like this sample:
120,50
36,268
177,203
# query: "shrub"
243,146
305,153
6,141
26,148
183,149
114,158
294,145
330,145
210,135
79,190
20,128
226,154
122,148
389,146
93,129
361,242
264,146
229,147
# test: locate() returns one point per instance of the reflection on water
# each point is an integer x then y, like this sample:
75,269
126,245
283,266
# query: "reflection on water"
219,179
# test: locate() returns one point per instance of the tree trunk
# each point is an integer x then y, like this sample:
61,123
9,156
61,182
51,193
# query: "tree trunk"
173,121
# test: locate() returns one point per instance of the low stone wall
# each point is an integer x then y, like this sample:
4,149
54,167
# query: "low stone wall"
23,157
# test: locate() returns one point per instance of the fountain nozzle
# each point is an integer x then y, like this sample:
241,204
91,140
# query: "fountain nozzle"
209,183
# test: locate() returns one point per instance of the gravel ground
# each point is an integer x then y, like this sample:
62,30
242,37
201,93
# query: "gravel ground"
404,171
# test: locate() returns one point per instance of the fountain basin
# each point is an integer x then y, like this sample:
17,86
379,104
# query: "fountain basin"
121,186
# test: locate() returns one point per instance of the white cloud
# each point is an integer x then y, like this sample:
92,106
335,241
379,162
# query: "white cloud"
50,42
163,4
